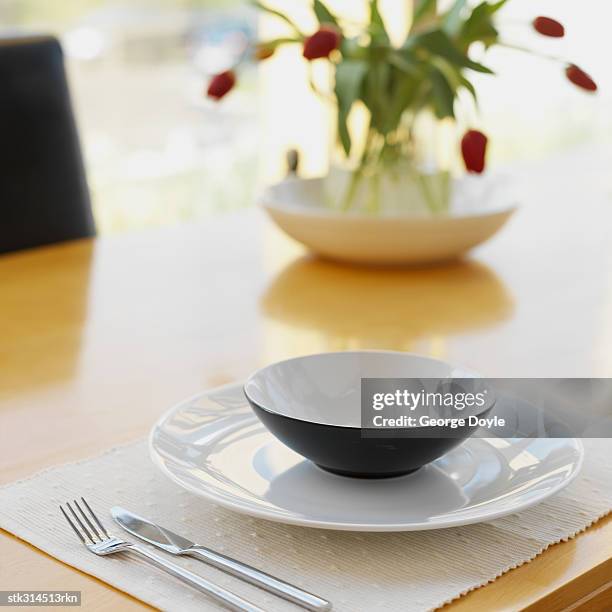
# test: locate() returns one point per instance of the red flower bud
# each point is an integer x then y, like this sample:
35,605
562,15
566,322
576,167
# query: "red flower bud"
321,43
580,78
548,27
473,149
263,52
221,84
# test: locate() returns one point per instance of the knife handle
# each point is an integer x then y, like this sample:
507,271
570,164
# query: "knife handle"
261,579
223,596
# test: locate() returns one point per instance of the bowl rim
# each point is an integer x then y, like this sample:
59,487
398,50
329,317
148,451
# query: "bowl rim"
252,402
270,201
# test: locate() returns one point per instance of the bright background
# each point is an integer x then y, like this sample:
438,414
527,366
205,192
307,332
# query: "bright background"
158,153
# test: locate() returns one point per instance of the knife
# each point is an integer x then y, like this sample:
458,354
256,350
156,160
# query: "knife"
178,545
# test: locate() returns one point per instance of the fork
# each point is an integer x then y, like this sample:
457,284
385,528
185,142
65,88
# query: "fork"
104,544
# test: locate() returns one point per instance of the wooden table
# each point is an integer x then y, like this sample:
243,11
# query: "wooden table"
97,338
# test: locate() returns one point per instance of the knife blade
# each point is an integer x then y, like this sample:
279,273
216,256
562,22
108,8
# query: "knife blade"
150,532
178,545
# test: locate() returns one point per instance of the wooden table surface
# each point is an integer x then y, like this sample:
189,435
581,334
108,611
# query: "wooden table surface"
97,338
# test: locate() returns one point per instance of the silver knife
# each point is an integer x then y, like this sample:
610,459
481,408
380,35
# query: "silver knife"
178,545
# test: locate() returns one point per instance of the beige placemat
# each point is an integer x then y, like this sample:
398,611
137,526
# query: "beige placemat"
356,571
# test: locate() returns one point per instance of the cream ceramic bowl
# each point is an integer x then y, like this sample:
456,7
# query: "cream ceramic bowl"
297,206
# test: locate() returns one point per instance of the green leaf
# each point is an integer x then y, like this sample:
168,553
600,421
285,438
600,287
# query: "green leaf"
384,73
404,63
452,19
442,94
423,10
454,76
349,78
493,8
451,72
324,15
479,25
377,29
403,95
439,43
376,92
278,14
350,48
468,85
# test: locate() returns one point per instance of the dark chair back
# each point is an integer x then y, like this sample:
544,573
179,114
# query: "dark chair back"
43,191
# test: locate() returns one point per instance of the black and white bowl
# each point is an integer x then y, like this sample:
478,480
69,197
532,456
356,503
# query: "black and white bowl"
313,405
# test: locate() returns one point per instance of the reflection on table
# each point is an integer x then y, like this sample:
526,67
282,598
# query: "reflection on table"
338,307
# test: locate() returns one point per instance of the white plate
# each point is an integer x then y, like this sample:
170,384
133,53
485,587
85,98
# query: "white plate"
214,446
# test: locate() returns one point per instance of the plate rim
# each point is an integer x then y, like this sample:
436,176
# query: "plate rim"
342,526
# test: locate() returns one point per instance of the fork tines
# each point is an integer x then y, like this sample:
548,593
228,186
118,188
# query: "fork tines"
90,527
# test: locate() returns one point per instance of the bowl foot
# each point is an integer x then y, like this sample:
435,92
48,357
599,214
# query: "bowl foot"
369,475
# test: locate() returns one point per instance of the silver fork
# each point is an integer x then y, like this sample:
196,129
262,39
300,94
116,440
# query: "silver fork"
104,544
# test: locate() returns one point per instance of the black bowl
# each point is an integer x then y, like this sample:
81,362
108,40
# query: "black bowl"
312,404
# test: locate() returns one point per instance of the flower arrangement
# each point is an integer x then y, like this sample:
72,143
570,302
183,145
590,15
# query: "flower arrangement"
427,72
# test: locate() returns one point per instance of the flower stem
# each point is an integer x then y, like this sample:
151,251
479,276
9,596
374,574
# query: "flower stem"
552,58
374,196
347,201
